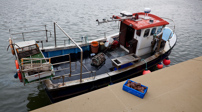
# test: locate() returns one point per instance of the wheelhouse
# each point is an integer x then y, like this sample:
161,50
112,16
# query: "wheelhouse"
137,35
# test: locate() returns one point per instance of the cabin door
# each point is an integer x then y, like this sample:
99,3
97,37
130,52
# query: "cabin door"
122,35
126,35
133,46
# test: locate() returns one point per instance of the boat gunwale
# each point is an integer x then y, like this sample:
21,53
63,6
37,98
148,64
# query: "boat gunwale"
112,73
55,99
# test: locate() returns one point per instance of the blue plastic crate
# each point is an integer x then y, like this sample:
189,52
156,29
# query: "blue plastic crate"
133,91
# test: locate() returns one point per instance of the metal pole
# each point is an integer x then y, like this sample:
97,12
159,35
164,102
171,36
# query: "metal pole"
23,37
46,34
81,65
42,44
55,34
76,45
70,66
145,63
68,41
63,79
64,42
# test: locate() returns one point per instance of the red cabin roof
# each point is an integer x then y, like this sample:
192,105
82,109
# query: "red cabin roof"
142,23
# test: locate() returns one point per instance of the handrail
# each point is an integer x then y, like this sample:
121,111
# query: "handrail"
13,32
30,60
55,24
68,76
27,27
28,32
101,34
41,66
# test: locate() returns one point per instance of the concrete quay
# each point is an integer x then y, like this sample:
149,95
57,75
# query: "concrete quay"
177,88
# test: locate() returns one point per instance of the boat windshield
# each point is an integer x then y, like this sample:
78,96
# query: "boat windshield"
159,29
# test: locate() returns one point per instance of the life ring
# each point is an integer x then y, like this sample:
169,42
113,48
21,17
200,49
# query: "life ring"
18,70
11,46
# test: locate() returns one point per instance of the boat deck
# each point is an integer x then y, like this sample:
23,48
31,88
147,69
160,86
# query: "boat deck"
173,89
106,67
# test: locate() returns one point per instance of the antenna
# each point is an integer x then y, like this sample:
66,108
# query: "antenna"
146,11
125,15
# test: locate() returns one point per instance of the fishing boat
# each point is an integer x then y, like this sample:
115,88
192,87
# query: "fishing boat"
143,41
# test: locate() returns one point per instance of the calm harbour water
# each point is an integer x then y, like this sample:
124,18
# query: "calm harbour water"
78,17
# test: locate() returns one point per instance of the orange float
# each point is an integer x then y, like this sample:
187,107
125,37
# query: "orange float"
159,65
166,61
11,46
18,70
146,72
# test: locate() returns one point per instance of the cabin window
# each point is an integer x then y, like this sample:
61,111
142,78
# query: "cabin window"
138,32
146,33
153,31
159,29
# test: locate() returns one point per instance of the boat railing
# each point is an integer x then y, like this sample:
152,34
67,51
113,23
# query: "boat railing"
27,64
31,61
170,36
68,75
105,33
24,37
42,62
81,50
43,28
84,40
92,75
101,35
40,34
172,21
14,33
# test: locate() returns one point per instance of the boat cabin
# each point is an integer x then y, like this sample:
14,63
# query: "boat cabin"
136,35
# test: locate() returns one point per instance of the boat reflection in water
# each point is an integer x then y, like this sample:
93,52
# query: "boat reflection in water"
38,100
